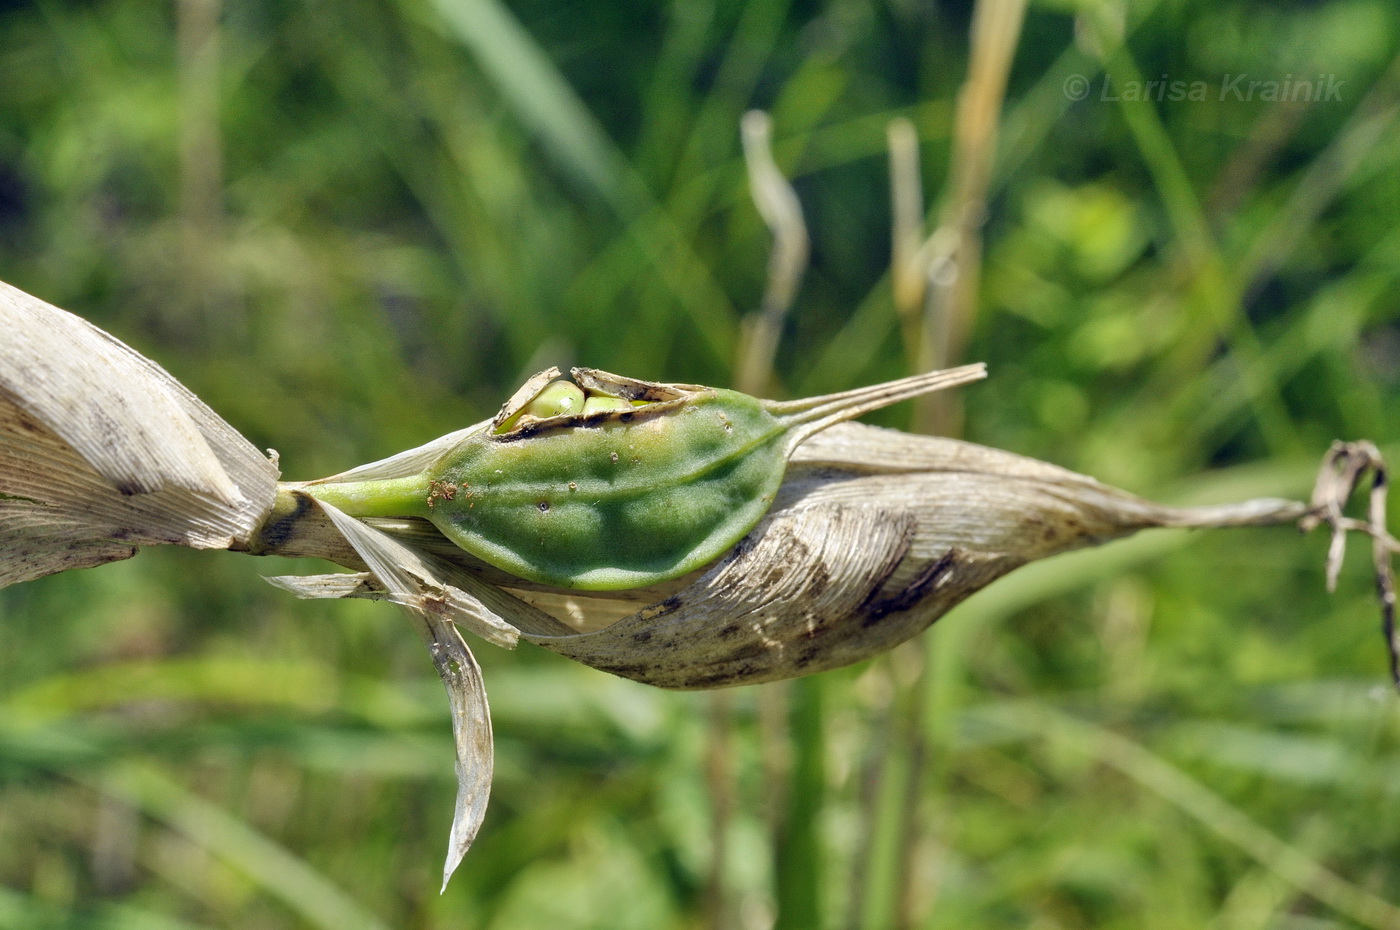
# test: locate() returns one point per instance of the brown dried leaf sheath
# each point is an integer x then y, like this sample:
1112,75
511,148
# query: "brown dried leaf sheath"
875,535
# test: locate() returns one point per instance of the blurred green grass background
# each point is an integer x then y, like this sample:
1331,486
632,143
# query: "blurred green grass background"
353,226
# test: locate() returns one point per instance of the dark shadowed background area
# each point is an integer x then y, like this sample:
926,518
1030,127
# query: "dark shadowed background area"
352,226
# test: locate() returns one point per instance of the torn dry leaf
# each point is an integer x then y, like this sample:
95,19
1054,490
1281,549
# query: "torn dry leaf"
101,451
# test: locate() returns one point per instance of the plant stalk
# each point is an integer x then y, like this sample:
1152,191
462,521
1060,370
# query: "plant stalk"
383,497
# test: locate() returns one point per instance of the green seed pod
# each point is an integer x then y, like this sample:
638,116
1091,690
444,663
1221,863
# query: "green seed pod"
650,482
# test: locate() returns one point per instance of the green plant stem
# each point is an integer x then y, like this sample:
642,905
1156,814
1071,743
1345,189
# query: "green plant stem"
386,497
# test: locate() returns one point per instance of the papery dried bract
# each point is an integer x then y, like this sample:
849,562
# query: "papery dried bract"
101,450
424,586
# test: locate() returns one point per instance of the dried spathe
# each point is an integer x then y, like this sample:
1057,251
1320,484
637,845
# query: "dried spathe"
101,451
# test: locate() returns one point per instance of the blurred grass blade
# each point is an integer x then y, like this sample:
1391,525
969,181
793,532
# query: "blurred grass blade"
1303,759
1284,859
23,912
1370,125
799,861
539,94
289,877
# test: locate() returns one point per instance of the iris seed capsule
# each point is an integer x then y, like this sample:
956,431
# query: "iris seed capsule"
641,483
